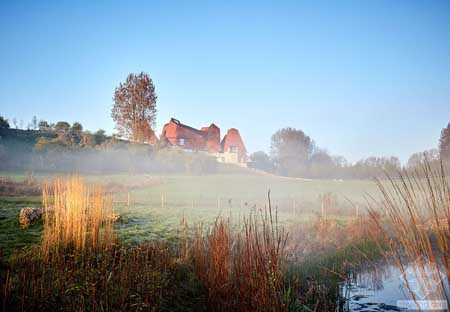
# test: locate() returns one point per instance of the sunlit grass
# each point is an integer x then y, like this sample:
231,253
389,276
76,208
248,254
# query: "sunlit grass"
75,216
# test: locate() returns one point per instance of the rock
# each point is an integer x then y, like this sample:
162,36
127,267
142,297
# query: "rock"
28,215
115,217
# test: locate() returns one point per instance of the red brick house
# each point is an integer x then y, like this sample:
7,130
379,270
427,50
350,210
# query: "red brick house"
207,139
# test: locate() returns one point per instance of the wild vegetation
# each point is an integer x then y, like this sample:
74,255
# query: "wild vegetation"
28,187
79,265
77,151
417,227
259,260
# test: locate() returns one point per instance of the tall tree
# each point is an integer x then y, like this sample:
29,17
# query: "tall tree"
134,109
444,143
291,150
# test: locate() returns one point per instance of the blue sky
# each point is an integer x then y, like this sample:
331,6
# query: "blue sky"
361,78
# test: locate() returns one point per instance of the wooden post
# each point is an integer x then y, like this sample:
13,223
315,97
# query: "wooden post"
323,208
162,201
128,201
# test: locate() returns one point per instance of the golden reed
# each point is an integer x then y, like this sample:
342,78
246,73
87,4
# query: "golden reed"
76,216
417,226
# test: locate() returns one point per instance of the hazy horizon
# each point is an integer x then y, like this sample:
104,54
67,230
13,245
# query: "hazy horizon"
362,79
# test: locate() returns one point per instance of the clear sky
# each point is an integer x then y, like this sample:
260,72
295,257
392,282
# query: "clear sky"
361,78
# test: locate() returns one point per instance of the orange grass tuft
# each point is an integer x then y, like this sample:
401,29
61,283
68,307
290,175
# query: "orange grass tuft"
242,272
75,216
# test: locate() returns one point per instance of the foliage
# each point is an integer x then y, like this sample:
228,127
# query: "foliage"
291,149
76,127
4,124
295,154
444,143
44,125
260,160
100,137
134,109
62,126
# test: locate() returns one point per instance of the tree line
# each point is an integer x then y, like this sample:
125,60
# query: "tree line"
295,154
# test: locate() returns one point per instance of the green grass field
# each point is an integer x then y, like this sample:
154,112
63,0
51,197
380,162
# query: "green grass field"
159,203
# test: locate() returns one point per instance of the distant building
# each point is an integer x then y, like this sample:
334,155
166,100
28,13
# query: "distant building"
232,148
207,139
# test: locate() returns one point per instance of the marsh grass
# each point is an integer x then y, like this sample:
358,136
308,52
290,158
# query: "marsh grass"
81,266
242,271
76,216
416,225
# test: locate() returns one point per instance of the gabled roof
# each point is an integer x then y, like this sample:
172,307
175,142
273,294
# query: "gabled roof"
178,123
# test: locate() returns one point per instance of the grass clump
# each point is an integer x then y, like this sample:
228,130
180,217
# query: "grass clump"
75,216
416,225
242,272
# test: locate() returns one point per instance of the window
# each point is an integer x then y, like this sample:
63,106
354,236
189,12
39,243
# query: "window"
233,149
181,141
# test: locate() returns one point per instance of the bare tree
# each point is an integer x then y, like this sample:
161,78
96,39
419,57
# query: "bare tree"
134,109
417,159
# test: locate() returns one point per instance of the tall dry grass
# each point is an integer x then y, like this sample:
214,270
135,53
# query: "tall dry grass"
242,272
416,224
76,216
80,267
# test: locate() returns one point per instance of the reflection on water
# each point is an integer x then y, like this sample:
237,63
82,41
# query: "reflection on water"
383,288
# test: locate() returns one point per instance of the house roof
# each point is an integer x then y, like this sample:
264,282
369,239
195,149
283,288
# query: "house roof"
177,122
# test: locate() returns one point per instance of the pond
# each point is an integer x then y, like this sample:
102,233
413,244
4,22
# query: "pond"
383,287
